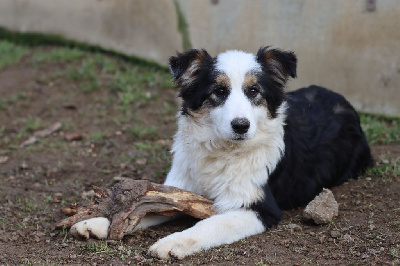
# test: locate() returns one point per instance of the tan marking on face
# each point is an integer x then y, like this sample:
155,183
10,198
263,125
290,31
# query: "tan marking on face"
250,80
223,80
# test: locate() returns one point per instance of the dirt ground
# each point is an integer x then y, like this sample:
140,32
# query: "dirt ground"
123,134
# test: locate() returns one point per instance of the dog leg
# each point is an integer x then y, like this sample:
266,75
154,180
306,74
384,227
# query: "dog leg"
219,229
94,227
98,227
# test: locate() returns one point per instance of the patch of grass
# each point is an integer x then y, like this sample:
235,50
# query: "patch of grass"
86,75
168,109
380,129
98,136
2,106
129,89
154,151
96,247
14,98
26,204
141,132
387,171
132,83
395,251
33,124
58,55
10,53
107,65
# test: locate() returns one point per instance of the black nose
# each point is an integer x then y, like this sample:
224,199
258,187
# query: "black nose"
240,125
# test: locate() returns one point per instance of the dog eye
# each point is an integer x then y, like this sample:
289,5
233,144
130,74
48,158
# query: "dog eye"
253,91
221,91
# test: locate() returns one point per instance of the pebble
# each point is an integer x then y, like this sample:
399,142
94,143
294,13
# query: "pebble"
323,208
372,227
348,238
294,227
3,159
364,256
335,233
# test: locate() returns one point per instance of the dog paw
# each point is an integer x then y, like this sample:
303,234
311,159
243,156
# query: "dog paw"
95,228
177,245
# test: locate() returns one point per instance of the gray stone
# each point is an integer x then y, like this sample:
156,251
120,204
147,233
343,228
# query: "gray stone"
323,208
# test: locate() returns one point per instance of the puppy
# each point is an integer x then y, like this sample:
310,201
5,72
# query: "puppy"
250,147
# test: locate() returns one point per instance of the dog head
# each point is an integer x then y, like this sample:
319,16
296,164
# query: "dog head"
235,90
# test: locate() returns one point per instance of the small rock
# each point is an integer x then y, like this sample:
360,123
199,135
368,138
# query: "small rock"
348,238
3,159
372,227
24,166
335,233
365,256
322,208
73,137
141,161
57,195
384,160
120,248
87,194
69,106
73,256
294,227
368,178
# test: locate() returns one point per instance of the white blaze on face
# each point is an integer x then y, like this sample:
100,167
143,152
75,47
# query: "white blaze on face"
235,65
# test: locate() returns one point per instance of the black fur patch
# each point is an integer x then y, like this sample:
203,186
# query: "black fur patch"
324,147
202,79
277,66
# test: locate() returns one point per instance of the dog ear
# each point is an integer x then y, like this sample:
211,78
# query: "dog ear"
280,62
186,66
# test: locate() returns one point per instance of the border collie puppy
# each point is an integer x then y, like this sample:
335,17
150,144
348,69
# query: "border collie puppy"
253,149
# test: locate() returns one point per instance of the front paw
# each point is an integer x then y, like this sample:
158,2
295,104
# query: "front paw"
94,227
177,245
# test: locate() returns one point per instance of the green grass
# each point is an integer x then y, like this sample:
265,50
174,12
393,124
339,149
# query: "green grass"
85,74
26,204
11,53
33,124
98,136
380,129
95,247
58,55
385,171
141,132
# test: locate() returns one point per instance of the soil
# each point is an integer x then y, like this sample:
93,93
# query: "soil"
36,181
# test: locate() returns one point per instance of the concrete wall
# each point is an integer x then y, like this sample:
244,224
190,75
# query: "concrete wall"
339,43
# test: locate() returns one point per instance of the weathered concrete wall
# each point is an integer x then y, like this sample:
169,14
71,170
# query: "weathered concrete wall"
339,44
147,28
